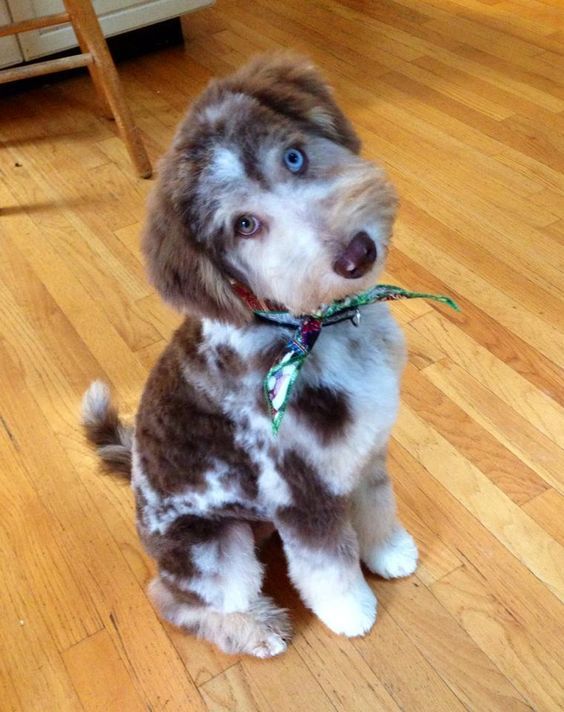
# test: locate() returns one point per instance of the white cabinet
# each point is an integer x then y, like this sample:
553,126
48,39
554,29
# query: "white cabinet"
115,16
9,48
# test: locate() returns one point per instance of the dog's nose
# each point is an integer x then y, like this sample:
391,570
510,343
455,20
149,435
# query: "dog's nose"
357,258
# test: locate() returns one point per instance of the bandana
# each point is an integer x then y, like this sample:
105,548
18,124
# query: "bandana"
282,375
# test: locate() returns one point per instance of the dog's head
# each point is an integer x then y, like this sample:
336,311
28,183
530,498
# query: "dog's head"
263,184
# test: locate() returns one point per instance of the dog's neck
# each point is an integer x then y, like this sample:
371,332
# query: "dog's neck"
282,375
269,311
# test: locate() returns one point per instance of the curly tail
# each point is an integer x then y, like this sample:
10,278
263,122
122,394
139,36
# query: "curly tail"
104,429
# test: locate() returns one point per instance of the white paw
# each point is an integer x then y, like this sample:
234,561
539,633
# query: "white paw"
270,629
396,557
269,647
349,614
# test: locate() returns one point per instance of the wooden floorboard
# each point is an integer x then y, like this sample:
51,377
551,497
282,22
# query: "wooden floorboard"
463,102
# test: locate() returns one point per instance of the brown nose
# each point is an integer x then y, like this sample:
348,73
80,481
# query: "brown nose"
357,258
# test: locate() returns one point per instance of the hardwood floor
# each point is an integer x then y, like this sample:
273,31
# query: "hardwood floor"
463,101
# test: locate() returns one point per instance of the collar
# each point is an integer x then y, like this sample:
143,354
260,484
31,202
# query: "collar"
285,319
282,375
274,313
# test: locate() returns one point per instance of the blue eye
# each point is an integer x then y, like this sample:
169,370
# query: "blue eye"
295,160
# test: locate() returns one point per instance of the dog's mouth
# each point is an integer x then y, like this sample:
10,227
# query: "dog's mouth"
357,258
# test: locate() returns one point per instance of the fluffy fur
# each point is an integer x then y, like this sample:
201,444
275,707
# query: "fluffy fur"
104,429
206,471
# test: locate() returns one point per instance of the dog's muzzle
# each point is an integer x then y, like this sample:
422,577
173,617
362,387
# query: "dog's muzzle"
357,257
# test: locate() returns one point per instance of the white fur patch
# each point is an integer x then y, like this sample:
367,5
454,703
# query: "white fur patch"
245,342
229,575
140,481
227,105
395,557
95,403
335,590
352,613
273,490
226,165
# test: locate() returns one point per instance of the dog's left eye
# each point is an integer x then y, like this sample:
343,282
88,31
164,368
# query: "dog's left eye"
295,160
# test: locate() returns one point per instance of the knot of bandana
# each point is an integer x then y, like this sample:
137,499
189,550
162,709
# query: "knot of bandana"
282,375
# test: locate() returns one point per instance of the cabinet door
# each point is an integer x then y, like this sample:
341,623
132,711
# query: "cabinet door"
9,48
115,16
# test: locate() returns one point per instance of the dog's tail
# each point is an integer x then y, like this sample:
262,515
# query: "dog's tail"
104,429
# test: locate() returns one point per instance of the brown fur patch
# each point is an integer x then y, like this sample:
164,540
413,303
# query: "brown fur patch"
186,342
325,410
317,517
180,433
190,598
172,551
184,273
290,86
228,361
104,431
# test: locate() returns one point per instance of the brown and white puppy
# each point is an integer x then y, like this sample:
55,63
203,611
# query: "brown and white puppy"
263,183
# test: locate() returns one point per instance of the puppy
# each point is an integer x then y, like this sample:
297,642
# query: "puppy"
263,187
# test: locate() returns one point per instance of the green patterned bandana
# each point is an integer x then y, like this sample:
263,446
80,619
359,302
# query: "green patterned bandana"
282,375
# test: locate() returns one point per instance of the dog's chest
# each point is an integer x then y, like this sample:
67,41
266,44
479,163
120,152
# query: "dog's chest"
344,402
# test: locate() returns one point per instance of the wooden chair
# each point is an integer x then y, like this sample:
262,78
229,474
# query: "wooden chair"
94,55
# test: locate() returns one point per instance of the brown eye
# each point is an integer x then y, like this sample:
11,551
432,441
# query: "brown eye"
247,225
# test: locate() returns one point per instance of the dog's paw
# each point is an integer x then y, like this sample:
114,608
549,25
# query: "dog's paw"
270,646
351,613
396,557
270,630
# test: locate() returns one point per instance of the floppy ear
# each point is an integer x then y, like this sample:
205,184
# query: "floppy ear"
292,86
185,275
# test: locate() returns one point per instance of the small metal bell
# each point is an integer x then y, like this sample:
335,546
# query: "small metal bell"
356,318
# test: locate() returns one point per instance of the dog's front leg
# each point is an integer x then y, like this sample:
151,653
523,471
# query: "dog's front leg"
327,574
385,546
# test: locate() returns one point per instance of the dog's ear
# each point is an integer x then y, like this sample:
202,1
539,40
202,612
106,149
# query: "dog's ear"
184,273
290,85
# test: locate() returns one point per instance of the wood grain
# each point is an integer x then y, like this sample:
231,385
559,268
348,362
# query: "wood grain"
99,675
463,102
502,637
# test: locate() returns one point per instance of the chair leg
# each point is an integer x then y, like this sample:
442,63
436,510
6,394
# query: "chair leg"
94,70
106,79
